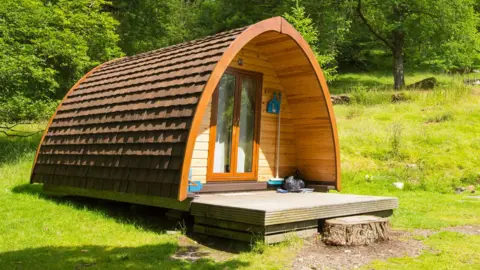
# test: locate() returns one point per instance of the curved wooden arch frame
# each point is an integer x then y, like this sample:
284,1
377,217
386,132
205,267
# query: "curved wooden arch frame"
276,24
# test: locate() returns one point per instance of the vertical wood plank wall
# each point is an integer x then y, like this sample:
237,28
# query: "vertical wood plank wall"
255,60
314,141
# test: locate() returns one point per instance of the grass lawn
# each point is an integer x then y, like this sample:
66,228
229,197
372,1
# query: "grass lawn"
430,143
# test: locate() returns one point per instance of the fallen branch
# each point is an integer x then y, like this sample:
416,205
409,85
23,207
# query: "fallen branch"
10,131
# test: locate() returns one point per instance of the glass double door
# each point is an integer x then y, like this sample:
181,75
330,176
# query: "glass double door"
233,153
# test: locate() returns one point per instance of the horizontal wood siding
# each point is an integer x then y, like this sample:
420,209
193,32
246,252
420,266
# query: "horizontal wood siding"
200,151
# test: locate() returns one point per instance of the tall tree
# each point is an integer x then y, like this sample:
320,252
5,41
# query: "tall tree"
221,15
442,32
333,20
45,46
304,24
151,24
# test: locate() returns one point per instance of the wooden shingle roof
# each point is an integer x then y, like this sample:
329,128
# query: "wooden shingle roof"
124,126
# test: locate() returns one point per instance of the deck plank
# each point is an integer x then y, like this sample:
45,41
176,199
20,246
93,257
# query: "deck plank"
270,208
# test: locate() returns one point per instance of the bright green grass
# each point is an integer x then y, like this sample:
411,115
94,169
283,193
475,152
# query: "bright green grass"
440,137
381,143
41,233
448,251
384,80
376,88
438,131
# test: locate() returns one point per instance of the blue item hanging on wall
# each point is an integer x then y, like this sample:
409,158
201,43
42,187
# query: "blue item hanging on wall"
274,104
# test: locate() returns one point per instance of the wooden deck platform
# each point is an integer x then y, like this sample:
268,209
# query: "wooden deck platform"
258,215
272,215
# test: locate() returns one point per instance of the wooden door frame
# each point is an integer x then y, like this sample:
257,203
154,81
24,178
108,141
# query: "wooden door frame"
233,176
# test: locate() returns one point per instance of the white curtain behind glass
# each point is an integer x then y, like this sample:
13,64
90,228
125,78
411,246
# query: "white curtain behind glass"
223,141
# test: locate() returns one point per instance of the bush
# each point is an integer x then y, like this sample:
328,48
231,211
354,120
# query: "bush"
442,117
354,112
361,95
401,97
18,110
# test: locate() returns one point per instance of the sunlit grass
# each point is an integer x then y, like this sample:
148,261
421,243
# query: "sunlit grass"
429,142
448,250
437,146
381,81
42,233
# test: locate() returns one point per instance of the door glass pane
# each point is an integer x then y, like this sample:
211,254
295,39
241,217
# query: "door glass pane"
223,140
247,125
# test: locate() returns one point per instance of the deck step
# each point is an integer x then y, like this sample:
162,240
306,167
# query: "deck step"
248,232
252,236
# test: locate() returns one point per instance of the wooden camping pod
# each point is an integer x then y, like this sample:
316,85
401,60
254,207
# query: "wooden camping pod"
132,125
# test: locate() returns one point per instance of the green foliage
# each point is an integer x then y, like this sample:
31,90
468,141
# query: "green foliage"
439,35
45,46
304,24
220,15
361,95
441,117
151,24
396,139
18,109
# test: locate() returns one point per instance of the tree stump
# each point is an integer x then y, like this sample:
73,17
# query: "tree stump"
355,230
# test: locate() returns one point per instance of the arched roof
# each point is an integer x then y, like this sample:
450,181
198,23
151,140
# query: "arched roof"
129,125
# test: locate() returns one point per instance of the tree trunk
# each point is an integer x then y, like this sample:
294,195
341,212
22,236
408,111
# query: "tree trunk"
398,76
397,52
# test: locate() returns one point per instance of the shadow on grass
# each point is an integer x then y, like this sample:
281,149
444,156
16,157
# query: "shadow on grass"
345,84
164,256
146,217
14,148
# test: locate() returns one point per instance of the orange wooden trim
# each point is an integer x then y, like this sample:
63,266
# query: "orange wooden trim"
277,24
58,108
251,32
288,29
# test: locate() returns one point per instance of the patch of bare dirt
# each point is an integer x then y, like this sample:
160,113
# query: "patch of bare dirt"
466,229
214,248
316,255
424,232
189,250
